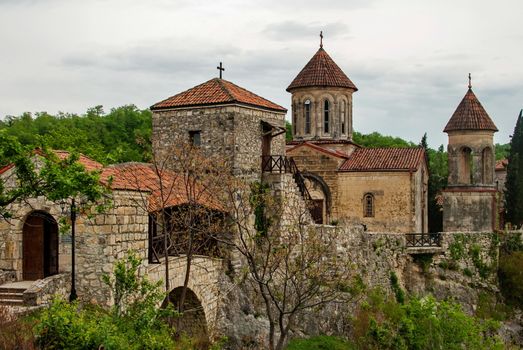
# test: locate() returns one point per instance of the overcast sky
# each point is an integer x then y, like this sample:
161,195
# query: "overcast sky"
409,58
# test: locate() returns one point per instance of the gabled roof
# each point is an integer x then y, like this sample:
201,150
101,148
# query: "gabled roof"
384,159
215,92
330,152
321,71
470,115
170,191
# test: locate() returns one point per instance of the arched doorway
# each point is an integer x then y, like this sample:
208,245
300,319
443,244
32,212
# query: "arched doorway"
321,197
192,322
40,246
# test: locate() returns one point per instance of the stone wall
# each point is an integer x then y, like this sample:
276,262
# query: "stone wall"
469,209
107,237
233,132
394,200
43,291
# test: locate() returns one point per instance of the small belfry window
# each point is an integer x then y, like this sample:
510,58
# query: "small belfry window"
368,205
326,116
342,117
294,119
195,138
307,116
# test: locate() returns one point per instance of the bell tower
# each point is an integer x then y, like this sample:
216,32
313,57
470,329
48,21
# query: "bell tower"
470,197
321,100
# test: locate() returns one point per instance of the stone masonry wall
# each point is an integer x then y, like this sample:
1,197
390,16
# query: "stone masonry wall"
233,132
108,237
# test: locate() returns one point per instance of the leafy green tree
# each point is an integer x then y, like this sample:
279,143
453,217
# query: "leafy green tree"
514,182
375,139
47,176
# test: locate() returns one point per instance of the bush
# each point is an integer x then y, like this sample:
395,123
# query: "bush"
382,323
135,322
510,274
15,331
320,343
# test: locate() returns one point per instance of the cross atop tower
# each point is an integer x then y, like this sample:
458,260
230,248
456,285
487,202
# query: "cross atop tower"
321,39
470,82
221,69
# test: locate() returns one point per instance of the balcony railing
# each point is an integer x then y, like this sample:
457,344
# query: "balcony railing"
423,240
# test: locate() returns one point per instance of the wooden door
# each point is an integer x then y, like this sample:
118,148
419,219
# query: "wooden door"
317,211
33,248
40,247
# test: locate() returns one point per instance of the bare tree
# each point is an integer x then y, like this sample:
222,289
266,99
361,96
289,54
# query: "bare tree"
293,264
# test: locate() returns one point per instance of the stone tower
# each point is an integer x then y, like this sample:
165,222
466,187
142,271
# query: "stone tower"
470,197
321,101
221,118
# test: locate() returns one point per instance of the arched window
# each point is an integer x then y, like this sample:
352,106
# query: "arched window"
308,116
342,117
466,173
486,160
326,106
368,205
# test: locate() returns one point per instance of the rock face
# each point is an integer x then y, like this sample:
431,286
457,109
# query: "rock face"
463,269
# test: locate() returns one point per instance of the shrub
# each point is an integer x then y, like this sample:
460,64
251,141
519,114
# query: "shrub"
135,322
421,323
15,331
511,277
322,342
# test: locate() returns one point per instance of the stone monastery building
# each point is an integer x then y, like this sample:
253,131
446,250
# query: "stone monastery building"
380,190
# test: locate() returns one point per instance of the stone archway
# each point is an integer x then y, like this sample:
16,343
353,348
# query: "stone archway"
39,246
321,196
192,322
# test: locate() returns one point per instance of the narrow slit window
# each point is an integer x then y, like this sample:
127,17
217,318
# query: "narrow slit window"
368,205
308,117
342,117
326,106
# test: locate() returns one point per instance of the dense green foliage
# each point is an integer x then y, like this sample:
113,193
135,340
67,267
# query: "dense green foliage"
514,181
135,322
121,135
375,139
55,178
510,271
382,323
321,342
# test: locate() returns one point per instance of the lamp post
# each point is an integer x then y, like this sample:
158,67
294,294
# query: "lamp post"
72,296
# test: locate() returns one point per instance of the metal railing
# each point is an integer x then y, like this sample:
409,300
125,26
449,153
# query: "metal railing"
284,165
423,239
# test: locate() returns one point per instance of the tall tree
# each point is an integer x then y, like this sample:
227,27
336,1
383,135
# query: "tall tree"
438,172
514,182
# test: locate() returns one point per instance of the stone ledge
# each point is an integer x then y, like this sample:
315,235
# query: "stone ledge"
425,250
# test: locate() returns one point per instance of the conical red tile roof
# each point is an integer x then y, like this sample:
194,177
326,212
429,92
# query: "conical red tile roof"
216,91
470,115
321,71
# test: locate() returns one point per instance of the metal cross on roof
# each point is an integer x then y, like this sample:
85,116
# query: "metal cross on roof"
221,69
470,82
321,39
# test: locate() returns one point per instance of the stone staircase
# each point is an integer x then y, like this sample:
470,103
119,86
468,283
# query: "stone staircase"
12,294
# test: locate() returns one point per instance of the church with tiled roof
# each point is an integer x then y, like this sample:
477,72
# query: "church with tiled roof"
383,189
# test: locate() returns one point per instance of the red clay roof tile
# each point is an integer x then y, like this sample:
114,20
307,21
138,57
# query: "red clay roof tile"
321,70
501,164
470,115
385,159
171,191
214,92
